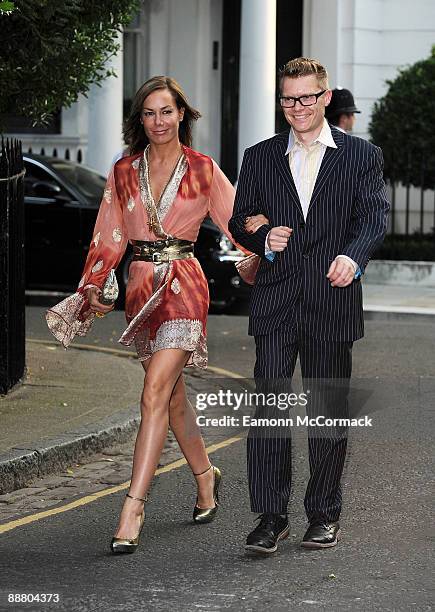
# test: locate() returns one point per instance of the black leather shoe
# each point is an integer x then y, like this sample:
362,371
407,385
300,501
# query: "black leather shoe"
321,534
264,538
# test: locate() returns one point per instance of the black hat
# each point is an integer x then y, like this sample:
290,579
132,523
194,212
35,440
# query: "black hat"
341,102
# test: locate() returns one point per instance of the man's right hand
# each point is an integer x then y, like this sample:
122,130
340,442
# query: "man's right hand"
278,237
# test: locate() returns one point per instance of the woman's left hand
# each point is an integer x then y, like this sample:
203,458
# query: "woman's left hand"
253,223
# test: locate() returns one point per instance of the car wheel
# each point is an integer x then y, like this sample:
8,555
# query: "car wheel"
221,306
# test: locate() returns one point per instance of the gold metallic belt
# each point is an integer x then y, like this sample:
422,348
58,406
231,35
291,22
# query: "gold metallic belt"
162,251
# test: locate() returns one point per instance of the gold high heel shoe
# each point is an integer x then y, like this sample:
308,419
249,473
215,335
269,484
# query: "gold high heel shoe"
124,545
206,515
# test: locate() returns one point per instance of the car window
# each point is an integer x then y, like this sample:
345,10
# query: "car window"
35,174
90,183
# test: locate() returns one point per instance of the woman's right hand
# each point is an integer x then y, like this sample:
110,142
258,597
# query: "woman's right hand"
256,221
93,293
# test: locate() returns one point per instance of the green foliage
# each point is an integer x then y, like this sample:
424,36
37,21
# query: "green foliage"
417,247
51,51
6,7
402,124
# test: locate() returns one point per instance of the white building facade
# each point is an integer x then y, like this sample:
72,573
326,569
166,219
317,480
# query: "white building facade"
364,42
225,54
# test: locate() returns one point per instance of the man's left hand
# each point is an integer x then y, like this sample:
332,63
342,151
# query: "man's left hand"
341,272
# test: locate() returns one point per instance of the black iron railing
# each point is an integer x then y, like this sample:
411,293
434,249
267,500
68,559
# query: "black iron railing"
12,281
412,217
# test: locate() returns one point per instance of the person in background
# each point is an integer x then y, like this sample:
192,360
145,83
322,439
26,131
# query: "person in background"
341,110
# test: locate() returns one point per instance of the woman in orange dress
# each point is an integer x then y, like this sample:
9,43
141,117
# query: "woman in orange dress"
156,198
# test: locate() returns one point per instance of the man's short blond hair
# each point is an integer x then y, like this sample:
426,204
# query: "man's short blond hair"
304,66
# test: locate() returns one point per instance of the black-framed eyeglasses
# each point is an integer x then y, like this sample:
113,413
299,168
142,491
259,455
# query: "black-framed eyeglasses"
290,102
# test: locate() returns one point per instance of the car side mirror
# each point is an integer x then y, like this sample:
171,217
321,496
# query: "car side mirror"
45,189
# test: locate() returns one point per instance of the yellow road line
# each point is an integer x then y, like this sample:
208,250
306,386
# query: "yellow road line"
83,501
121,353
226,373
86,347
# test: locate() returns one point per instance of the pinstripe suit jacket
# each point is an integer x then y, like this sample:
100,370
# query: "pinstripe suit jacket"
347,215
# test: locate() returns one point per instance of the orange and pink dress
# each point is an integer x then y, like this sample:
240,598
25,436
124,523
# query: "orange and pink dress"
166,304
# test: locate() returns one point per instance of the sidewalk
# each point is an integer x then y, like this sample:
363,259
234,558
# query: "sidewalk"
69,405
398,300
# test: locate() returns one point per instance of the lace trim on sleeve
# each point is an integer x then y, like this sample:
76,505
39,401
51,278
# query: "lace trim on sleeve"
66,320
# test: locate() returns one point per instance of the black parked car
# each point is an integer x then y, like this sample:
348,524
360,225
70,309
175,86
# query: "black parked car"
61,206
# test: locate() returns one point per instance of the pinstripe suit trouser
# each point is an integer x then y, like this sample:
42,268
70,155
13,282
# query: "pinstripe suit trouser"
269,452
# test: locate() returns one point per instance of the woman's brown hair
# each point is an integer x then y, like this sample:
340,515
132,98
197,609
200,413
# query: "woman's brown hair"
134,134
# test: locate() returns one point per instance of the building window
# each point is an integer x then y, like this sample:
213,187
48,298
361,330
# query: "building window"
134,58
289,27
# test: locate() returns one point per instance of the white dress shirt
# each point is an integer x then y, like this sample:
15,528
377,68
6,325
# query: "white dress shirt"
305,162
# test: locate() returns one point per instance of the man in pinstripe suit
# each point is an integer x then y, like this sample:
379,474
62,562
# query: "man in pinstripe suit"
324,196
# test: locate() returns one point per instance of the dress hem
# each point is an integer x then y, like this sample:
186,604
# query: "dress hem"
185,334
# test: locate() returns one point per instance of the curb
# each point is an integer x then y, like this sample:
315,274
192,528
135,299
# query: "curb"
374,312
17,468
20,465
